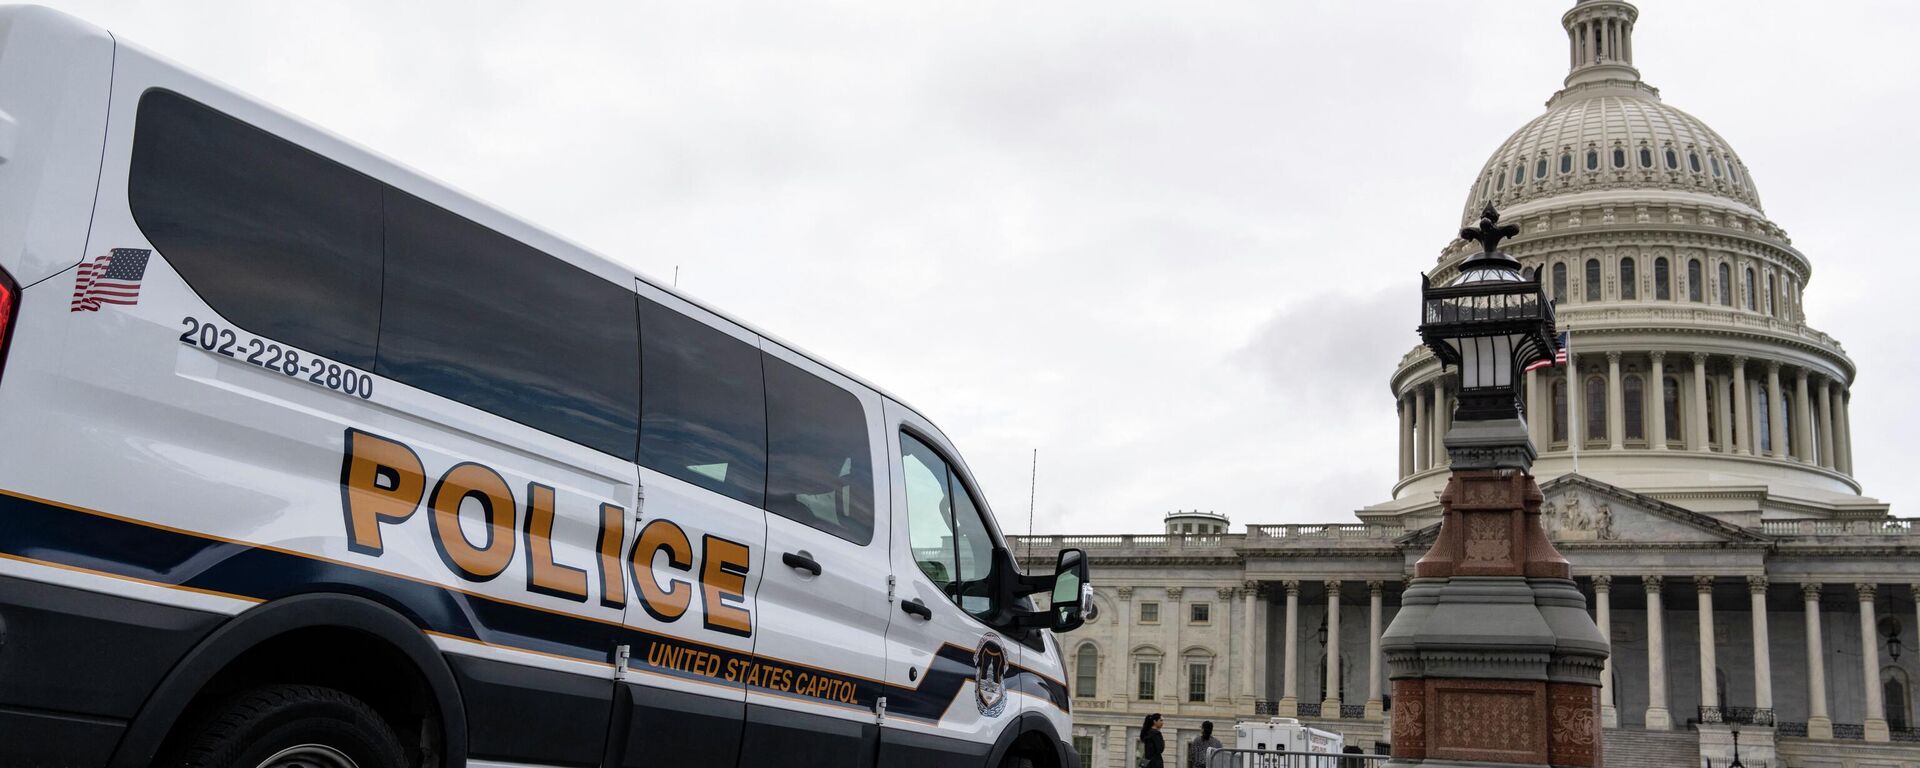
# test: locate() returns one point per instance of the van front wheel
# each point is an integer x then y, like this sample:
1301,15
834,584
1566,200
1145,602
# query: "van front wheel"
292,726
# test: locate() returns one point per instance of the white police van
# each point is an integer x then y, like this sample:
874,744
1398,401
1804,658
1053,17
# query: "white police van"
307,460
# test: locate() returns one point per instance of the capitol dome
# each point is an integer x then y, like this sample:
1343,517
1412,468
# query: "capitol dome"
1694,369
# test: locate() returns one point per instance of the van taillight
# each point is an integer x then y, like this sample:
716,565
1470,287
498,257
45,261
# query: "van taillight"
9,306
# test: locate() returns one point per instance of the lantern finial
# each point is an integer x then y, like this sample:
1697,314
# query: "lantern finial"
1491,231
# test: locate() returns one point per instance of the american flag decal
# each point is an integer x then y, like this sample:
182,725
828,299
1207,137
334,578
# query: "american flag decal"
110,279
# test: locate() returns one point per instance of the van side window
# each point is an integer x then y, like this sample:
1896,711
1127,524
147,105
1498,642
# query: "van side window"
482,318
704,415
819,463
281,241
949,540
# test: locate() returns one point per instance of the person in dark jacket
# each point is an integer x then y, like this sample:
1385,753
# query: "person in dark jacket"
1152,744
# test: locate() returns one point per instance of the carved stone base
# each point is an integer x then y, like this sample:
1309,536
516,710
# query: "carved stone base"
1820,728
1659,719
1289,707
1375,711
1876,730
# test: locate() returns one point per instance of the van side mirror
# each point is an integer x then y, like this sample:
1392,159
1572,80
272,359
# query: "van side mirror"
1072,592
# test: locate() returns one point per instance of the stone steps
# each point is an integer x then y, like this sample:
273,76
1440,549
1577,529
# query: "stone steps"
1633,748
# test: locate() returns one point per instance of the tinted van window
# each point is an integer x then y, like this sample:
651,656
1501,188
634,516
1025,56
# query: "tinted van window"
819,462
484,319
281,241
704,418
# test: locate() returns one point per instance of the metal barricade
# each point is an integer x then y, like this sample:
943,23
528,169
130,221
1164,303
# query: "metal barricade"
1272,758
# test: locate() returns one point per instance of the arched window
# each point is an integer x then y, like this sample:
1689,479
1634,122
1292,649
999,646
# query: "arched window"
1566,162
1763,421
1559,416
1670,408
1771,296
1619,157
1646,157
1629,282
1662,280
1596,396
1753,292
1633,401
1787,427
1593,159
1086,671
1673,159
1540,168
1696,290
1593,279
1519,172
1726,285
1559,282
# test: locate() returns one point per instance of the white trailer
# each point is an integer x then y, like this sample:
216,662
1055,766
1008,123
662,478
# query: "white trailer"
1286,734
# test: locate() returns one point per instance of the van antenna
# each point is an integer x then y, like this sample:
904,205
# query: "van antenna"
676,275
1033,477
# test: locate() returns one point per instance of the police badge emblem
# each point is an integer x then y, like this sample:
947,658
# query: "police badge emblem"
990,676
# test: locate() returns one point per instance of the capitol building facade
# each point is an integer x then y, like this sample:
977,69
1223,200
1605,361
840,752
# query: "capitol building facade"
1695,454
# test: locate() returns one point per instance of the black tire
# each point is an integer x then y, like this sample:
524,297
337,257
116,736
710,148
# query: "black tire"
1017,761
251,728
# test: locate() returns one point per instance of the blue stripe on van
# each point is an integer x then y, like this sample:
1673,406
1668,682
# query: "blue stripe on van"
70,536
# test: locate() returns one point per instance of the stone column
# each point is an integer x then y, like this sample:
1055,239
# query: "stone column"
1406,436
1826,425
1876,725
1802,418
1697,440
1442,420
1656,397
1175,613
1742,415
1709,664
1603,618
1422,431
1576,403
1846,431
1330,706
1616,403
1658,717
1762,648
1723,415
1819,726
1123,650
1246,641
1262,659
1290,676
1375,591
1776,411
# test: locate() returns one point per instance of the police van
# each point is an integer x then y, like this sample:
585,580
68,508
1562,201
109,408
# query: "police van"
309,460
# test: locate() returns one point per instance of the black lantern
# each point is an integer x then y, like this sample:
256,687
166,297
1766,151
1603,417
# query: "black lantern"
1490,322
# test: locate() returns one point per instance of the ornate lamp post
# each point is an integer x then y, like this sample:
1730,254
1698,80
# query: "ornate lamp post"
1493,657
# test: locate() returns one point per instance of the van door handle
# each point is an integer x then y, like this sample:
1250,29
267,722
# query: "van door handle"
914,607
801,561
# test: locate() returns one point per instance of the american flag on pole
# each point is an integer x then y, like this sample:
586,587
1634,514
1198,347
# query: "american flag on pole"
1559,356
111,279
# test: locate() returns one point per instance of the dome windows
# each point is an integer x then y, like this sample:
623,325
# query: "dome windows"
1519,173
1726,285
1500,185
1673,160
1662,280
1619,157
1540,168
1715,161
1559,282
1696,282
1646,157
1753,292
1593,159
1629,282
1566,162
1593,279
1693,160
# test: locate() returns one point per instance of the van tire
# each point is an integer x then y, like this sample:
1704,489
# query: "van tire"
249,729
1017,761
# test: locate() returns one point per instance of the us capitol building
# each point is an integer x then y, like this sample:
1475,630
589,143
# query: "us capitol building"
1712,519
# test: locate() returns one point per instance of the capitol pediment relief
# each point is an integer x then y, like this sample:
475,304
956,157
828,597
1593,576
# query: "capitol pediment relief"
1579,509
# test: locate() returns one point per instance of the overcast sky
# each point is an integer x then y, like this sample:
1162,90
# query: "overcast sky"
1175,246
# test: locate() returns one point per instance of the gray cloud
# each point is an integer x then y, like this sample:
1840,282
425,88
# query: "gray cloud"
1173,246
